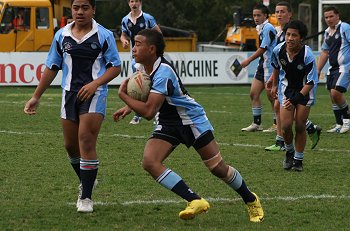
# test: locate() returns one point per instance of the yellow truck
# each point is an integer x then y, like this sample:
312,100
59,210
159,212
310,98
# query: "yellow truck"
41,18
242,34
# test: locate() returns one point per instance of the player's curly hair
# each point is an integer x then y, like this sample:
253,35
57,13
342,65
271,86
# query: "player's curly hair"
155,38
298,25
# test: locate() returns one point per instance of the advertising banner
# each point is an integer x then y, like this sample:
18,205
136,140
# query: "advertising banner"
194,68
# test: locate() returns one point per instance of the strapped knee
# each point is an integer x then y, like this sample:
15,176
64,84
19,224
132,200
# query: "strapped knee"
213,162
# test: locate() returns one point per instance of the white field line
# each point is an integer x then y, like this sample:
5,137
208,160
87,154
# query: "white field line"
222,200
145,137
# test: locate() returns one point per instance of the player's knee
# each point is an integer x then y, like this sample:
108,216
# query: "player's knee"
253,95
300,127
149,164
286,129
71,148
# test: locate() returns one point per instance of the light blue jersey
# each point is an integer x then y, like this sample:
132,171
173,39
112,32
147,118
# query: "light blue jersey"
267,40
143,21
294,74
85,60
338,47
178,108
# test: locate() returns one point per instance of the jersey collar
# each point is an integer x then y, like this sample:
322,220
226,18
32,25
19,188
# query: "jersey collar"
130,18
336,27
260,27
67,31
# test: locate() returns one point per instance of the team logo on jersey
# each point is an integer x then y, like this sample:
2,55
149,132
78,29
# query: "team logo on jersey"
142,25
93,46
129,24
234,69
67,46
300,67
284,62
337,36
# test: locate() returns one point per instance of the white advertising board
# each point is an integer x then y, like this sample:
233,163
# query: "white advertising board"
194,68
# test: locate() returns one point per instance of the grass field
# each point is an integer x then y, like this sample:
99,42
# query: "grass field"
38,188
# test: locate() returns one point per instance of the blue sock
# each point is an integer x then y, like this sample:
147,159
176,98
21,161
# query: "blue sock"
298,156
290,148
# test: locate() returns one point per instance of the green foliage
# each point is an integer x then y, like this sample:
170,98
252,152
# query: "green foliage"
207,18
39,188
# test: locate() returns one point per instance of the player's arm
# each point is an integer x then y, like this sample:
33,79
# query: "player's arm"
256,55
322,61
274,77
124,38
45,81
89,89
157,28
146,109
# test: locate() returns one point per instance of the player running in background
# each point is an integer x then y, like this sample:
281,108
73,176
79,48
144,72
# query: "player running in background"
336,47
295,81
267,41
132,23
283,13
87,54
181,120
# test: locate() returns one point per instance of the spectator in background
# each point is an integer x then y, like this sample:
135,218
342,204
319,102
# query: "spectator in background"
132,23
336,48
18,21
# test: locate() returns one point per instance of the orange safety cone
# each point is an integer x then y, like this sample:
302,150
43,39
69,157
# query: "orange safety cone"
63,22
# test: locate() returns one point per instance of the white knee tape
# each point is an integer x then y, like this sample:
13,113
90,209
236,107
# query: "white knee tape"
229,174
213,162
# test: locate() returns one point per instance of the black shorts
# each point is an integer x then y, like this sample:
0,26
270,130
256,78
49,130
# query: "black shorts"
182,134
259,74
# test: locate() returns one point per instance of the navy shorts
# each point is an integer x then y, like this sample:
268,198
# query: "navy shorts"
338,81
190,135
72,107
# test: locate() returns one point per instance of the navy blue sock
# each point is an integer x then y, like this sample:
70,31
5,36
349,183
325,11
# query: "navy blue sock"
184,191
88,173
174,182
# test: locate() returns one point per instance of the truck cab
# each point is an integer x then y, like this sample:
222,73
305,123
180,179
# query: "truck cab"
27,25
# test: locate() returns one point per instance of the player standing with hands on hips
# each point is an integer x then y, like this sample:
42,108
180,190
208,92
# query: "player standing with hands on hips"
295,81
336,47
181,120
87,54
132,23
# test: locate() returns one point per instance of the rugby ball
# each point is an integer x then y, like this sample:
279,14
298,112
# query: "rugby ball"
139,86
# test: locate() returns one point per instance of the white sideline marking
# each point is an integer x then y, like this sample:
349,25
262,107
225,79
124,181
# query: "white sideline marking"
144,137
213,199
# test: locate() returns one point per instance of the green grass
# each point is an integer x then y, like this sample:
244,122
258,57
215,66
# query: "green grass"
38,188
